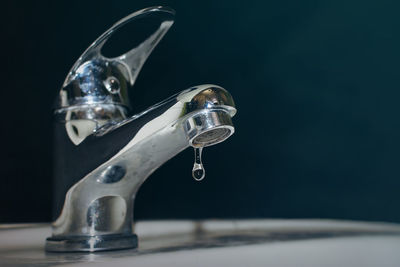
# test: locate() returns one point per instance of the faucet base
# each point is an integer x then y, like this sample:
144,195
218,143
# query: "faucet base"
91,243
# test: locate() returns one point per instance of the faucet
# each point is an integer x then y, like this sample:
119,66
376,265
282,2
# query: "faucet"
103,154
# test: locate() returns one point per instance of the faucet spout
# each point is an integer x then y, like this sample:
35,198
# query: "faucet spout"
103,155
99,206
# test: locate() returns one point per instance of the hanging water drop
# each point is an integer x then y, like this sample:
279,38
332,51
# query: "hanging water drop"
198,171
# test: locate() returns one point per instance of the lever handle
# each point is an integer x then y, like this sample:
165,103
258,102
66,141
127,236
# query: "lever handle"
96,79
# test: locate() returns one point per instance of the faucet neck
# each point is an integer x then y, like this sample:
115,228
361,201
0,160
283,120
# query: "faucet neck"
100,176
72,162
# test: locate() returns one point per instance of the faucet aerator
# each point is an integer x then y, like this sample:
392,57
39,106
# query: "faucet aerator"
209,128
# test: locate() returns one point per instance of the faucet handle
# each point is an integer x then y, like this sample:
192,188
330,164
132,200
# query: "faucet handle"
97,79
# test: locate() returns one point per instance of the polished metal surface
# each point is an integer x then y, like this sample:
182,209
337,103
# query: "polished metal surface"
96,79
104,154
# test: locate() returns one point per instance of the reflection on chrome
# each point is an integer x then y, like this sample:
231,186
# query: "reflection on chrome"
103,154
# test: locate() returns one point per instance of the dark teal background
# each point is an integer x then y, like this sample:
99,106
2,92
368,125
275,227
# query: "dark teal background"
316,84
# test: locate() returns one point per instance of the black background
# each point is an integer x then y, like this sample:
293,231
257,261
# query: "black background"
316,84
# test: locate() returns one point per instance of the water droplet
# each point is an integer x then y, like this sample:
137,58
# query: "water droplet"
198,171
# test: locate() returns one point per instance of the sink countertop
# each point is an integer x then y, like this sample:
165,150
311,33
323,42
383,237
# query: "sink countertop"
221,243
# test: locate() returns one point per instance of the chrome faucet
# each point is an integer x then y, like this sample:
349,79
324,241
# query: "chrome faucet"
103,154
